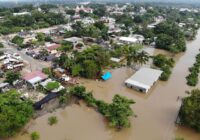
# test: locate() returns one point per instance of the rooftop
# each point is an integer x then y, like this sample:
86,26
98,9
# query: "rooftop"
145,77
34,77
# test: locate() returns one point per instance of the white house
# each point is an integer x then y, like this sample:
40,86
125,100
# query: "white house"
21,14
134,39
143,79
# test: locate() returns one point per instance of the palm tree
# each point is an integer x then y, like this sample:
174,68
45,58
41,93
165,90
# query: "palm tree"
143,57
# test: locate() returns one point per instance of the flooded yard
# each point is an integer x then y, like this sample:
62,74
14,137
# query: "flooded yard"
156,111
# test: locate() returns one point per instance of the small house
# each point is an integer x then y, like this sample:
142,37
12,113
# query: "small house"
143,79
32,79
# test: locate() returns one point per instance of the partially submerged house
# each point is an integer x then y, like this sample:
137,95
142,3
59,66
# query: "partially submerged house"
134,39
143,79
33,79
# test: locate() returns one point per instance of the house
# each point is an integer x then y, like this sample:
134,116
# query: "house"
45,83
86,20
34,78
82,8
134,39
143,79
4,87
76,41
52,47
21,14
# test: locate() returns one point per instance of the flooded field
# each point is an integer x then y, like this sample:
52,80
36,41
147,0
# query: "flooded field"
156,111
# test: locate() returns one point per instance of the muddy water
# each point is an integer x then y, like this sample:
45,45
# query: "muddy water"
156,111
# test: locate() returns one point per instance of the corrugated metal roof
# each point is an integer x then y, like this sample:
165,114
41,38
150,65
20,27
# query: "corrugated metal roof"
144,78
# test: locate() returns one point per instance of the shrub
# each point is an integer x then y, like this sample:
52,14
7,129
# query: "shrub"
35,136
52,120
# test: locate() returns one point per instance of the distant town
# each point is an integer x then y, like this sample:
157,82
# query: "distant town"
120,70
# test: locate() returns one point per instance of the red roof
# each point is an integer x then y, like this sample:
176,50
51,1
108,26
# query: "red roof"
53,47
34,74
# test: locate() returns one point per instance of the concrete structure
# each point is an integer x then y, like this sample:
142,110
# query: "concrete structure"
143,79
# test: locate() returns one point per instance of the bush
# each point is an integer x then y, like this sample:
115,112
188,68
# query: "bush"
52,120
35,136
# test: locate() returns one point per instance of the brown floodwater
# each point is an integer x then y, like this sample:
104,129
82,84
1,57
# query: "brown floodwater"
156,111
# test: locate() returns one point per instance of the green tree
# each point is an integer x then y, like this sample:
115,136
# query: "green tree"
189,112
18,40
40,37
90,69
12,76
76,69
1,45
14,113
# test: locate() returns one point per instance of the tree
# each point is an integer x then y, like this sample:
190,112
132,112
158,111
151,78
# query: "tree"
65,46
90,69
1,45
12,76
170,37
165,64
18,40
189,112
70,12
48,71
119,111
14,113
48,39
143,57
100,10
76,69
35,136
40,37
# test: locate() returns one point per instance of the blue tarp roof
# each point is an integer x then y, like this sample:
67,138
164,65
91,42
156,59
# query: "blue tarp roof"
106,76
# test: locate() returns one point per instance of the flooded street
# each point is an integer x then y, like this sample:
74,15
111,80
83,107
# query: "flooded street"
156,111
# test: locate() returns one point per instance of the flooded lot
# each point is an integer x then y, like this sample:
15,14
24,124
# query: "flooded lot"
156,111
